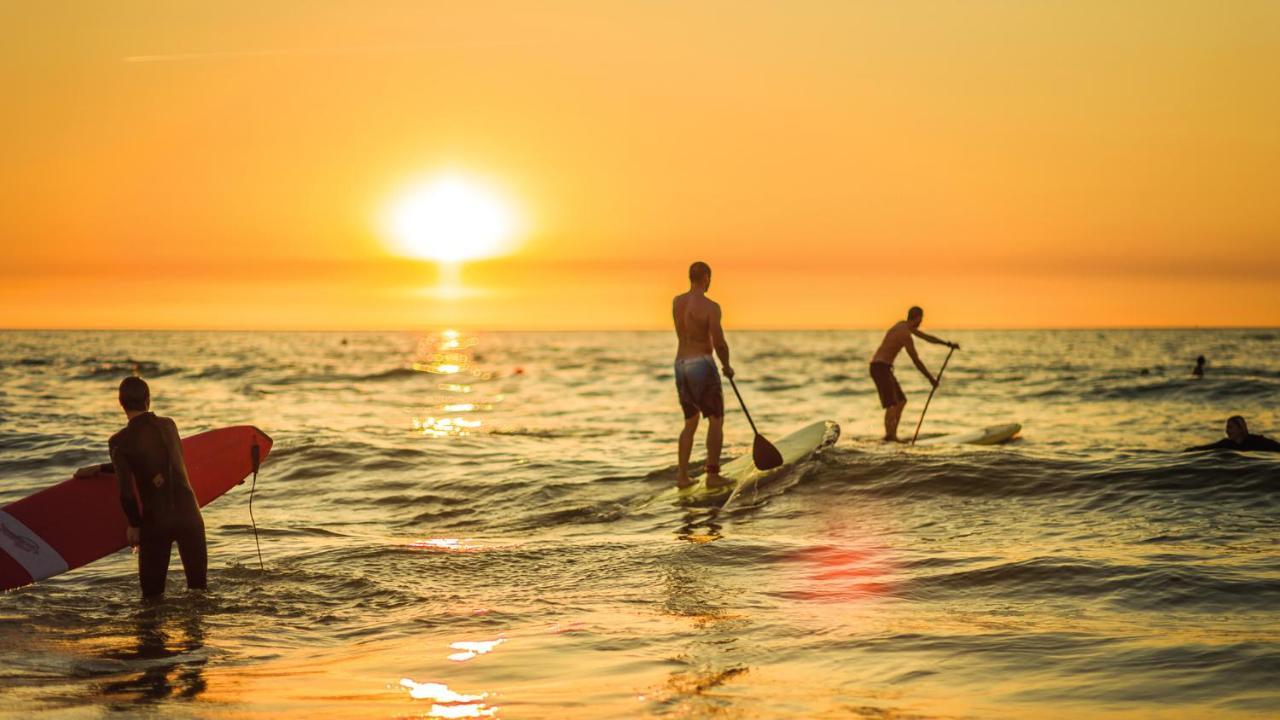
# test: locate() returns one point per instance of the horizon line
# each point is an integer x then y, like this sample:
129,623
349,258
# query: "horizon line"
492,329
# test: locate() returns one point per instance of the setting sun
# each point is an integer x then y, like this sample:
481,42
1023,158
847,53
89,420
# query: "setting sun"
451,219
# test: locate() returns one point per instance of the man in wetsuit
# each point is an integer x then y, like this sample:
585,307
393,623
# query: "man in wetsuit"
146,457
698,331
1238,438
892,399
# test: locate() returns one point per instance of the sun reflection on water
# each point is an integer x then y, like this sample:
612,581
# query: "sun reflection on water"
452,354
444,544
445,703
474,648
445,426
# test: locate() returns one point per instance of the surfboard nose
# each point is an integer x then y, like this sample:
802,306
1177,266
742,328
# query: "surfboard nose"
263,439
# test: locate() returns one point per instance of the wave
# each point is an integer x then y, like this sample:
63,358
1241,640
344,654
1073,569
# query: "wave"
921,476
123,367
219,372
1149,587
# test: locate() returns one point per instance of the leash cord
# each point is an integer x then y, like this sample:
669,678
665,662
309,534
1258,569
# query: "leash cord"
254,454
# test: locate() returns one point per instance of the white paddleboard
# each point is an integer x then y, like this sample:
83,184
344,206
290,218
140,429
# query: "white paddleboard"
993,435
742,470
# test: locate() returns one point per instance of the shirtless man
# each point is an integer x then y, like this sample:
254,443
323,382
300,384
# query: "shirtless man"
698,330
891,397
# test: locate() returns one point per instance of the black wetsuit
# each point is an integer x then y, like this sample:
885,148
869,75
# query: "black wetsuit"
1251,442
147,455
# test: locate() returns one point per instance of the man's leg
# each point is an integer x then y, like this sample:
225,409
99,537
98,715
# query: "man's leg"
686,449
153,560
715,442
194,553
891,418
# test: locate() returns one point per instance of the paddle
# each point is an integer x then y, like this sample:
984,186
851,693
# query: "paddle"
931,392
765,455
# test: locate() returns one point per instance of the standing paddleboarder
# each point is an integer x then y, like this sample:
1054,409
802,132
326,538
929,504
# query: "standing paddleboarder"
892,399
698,331
147,455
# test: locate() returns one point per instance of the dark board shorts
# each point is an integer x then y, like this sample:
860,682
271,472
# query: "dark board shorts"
698,383
887,385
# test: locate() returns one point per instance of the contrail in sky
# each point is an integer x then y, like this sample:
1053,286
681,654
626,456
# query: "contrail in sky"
303,52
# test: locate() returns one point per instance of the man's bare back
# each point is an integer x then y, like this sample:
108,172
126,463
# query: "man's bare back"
697,317
898,337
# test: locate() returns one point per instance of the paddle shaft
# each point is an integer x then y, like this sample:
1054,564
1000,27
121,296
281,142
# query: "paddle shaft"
931,392
744,406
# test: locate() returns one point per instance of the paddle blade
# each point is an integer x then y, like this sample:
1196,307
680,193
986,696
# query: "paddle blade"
765,454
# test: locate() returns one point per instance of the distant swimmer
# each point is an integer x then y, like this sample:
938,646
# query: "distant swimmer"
1199,371
698,330
1239,438
892,398
147,455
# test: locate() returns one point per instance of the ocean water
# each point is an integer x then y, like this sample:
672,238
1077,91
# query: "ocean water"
462,525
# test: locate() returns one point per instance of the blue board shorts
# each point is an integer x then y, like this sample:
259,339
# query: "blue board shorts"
698,383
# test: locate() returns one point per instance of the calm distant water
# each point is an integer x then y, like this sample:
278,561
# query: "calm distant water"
461,526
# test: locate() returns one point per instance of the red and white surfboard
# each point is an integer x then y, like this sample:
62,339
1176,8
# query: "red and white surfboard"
79,520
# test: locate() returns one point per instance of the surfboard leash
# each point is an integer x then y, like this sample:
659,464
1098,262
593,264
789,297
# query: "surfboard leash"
256,455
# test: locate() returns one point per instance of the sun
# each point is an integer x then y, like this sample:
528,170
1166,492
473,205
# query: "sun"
452,219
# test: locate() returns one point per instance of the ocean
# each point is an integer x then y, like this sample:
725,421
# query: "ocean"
463,524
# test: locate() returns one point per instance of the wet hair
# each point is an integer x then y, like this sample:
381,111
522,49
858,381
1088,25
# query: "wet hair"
915,313
1200,361
134,394
1238,419
699,272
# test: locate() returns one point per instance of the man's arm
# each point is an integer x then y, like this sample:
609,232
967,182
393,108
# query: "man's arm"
915,358
719,343
128,495
1223,444
935,340
1266,444
91,470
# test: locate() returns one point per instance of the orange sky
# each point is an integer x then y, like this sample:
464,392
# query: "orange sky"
1004,164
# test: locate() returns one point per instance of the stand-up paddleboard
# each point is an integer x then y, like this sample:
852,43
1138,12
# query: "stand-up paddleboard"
992,435
794,448
79,520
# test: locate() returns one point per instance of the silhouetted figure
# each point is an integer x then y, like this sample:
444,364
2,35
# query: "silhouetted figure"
1199,371
1238,438
155,492
892,399
698,331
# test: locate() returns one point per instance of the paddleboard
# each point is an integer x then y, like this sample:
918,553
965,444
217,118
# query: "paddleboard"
742,470
992,435
79,520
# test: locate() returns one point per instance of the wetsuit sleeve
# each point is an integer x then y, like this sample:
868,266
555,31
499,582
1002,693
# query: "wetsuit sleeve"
1223,444
124,478
1266,444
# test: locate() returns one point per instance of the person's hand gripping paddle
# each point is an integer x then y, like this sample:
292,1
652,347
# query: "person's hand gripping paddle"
765,455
